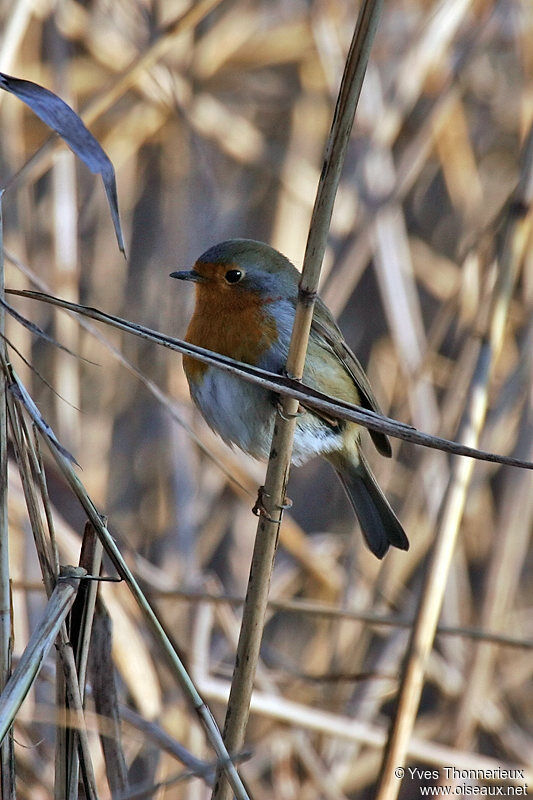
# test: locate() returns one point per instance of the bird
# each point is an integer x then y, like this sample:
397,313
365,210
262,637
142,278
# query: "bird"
245,300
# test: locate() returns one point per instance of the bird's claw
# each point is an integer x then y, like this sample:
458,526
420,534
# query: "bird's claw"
260,509
288,417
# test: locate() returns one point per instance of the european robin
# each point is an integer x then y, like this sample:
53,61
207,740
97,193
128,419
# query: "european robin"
246,295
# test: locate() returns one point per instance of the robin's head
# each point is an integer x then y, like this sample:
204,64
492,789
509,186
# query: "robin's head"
244,265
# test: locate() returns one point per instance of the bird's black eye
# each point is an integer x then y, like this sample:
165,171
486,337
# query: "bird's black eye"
233,275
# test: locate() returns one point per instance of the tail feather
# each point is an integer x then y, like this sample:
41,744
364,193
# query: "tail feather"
379,523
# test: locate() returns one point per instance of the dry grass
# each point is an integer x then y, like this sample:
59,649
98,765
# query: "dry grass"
216,127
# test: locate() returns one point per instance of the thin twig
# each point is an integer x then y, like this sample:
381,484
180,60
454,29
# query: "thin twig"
7,759
318,609
40,643
272,500
285,386
501,581
173,660
514,240
81,621
104,692
24,453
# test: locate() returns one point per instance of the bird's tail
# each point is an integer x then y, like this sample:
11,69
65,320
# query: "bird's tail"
379,523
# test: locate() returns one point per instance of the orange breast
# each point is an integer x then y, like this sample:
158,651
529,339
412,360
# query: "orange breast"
231,322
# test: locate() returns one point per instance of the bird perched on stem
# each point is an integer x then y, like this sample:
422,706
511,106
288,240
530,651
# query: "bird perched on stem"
246,293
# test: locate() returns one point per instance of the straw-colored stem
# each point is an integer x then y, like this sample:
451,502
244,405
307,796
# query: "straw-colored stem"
20,438
91,560
81,621
68,686
38,467
173,660
272,498
502,579
286,387
78,733
7,780
516,233
37,648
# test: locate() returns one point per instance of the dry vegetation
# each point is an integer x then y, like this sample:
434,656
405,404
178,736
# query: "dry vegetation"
216,126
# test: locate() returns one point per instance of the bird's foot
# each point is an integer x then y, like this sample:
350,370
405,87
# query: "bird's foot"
288,417
260,509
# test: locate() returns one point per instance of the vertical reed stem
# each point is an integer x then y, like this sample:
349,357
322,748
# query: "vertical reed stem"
516,235
7,760
272,500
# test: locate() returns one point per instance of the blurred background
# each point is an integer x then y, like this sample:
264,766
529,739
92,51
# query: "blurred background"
215,116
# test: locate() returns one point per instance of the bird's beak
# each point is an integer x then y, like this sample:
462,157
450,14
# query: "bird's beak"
187,275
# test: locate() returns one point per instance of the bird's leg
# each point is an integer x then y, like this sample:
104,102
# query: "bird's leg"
259,508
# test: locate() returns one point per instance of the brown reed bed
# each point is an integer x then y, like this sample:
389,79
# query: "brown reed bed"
215,119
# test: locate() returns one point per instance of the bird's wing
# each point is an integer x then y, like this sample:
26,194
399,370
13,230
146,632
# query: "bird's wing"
327,329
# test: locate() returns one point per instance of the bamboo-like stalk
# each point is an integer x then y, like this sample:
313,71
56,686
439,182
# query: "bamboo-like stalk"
91,560
20,436
516,232
68,685
81,621
7,760
272,497
75,706
104,693
509,553
173,660
37,648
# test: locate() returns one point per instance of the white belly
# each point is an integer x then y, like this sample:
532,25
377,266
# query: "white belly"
243,415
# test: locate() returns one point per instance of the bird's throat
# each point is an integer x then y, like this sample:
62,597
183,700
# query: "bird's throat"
233,323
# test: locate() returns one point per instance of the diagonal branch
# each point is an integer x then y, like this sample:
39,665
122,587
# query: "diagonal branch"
40,643
287,387
173,660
